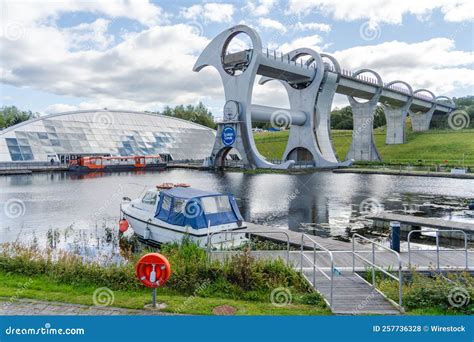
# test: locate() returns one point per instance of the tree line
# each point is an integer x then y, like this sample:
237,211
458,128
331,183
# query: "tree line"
341,118
11,115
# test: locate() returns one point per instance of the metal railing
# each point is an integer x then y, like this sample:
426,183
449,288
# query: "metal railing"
249,234
437,231
280,56
30,165
315,267
374,266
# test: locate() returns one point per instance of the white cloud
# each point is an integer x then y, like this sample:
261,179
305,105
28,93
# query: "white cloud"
154,66
384,11
313,42
271,24
210,12
260,7
432,64
28,12
91,36
59,108
312,27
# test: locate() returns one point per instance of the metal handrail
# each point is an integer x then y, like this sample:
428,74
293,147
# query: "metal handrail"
231,232
331,258
437,231
374,265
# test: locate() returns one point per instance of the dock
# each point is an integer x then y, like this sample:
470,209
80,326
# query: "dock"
335,268
419,221
279,235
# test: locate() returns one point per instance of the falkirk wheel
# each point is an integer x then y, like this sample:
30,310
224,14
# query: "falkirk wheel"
310,103
311,80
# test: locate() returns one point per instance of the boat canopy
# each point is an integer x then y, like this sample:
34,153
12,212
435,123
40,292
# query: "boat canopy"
196,208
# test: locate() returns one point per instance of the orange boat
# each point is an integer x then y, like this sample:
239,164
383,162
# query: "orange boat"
122,163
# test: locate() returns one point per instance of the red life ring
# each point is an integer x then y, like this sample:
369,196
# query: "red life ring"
123,225
153,270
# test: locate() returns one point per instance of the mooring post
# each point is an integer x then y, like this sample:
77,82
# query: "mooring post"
395,236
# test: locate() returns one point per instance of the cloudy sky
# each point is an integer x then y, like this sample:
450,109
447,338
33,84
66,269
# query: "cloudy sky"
138,54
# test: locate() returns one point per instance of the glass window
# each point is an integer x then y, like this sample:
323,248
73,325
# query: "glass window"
11,142
149,197
216,204
14,150
179,205
26,149
16,157
28,157
166,205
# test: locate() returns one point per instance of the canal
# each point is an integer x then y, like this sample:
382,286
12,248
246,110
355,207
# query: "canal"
81,208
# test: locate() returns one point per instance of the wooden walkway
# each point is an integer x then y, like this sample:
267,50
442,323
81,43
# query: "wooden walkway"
418,221
351,295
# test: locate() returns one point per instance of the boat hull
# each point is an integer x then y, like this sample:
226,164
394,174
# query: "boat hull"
116,168
153,231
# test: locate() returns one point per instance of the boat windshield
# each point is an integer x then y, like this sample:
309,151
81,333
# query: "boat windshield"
149,197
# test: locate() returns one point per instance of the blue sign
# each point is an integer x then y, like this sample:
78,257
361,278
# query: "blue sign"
228,135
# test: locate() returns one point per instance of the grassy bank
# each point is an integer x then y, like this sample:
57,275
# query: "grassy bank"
431,147
195,287
451,294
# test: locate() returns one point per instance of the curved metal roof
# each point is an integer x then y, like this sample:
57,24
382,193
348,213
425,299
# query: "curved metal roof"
49,116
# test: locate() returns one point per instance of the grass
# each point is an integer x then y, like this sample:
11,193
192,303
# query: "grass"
43,288
196,285
433,294
432,147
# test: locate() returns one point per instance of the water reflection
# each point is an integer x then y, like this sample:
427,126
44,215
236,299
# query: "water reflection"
321,203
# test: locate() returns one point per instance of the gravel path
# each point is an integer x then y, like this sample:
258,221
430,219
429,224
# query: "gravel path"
32,307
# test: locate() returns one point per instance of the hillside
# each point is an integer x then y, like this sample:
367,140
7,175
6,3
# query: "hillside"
432,147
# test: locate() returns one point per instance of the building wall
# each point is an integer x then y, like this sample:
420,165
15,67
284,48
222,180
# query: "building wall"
105,132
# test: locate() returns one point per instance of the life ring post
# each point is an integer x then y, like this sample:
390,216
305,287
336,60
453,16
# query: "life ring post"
153,270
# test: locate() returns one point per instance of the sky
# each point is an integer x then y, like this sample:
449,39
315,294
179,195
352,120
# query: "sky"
65,55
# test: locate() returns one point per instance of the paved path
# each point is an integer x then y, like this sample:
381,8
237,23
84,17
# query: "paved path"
32,307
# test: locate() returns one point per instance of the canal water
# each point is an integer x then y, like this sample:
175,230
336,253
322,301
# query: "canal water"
66,208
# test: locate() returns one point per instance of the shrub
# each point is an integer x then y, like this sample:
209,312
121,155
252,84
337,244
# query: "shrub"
240,277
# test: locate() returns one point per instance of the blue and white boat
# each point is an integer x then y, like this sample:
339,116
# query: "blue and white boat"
171,212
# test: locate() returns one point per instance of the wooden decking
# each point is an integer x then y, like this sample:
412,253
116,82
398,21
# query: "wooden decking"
351,295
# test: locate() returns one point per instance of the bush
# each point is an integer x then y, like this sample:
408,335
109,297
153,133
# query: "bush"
240,277
434,292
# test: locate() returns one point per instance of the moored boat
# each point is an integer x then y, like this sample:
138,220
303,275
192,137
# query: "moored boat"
171,212
121,163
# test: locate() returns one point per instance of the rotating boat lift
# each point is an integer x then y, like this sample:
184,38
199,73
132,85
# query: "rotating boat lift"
311,86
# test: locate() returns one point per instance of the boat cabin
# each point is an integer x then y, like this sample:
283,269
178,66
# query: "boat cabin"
195,208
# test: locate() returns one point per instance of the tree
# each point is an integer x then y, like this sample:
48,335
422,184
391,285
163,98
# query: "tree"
11,115
198,114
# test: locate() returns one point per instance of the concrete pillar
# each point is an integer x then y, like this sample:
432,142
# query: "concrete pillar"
363,145
395,125
395,117
420,121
